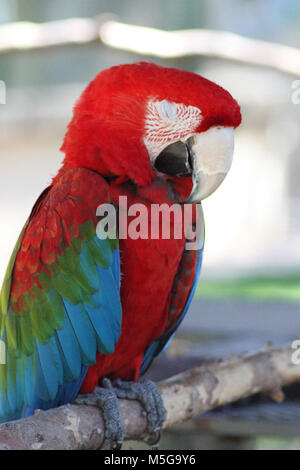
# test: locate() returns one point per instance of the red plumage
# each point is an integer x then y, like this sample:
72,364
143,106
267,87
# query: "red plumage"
106,136
106,131
148,270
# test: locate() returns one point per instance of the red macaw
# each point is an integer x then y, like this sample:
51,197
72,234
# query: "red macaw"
76,308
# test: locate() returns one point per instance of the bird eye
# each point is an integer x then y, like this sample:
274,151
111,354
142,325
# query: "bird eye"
168,109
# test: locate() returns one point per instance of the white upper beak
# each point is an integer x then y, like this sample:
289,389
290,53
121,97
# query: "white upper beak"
212,153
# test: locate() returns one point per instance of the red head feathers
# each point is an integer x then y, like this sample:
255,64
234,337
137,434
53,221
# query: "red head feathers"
113,129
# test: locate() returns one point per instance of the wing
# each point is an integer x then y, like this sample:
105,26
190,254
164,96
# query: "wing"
60,300
182,293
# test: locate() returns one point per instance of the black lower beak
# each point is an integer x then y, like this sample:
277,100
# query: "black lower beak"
175,160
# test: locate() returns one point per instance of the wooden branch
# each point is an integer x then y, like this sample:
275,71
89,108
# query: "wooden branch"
200,42
25,35
149,41
185,395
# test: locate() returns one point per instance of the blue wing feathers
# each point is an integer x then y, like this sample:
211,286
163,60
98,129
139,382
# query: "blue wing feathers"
46,374
83,331
54,371
70,349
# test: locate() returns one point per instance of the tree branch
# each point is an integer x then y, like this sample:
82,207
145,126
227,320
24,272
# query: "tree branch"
200,42
185,396
22,36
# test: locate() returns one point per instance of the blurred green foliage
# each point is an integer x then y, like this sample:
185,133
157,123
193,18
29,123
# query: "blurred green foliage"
285,289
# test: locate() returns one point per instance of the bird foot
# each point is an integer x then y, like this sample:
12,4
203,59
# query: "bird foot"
106,398
147,393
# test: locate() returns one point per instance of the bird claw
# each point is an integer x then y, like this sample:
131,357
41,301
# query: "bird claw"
147,393
106,398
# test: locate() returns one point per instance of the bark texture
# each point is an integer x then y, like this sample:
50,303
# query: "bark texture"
185,395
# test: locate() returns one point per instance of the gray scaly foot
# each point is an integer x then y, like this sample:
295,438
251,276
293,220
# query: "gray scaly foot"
105,398
147,393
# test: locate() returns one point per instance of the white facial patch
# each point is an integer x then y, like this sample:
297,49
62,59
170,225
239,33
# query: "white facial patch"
167,122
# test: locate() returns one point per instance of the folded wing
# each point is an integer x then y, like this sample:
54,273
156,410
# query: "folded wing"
60,300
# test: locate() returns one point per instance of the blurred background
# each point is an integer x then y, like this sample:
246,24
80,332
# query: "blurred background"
249,289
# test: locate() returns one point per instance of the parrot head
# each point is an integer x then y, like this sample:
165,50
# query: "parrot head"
142,121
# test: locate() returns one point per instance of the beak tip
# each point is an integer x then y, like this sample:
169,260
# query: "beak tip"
204,186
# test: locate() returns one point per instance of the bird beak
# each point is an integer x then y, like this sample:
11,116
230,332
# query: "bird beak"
206,157
211,155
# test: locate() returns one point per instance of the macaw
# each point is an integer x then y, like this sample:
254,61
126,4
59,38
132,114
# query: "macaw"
76,308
